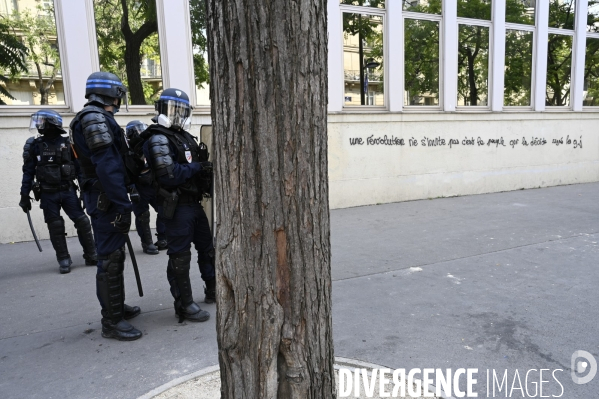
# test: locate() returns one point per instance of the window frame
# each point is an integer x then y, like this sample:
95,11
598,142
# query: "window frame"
590,35
489,25
62,108
95,50
382,12
424,17
533,75
562,32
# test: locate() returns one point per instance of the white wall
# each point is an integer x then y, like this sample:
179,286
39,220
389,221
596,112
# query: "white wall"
371,174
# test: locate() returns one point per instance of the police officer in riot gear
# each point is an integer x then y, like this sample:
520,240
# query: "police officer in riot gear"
173,156
49,159
101,148
147,193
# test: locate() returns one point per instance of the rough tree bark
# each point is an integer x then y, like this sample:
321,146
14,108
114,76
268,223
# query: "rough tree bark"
269,110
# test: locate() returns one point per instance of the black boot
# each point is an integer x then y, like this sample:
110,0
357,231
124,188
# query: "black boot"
142,224
178,276
64,265
111,292
161,245
59,242
130,311
210,291
86,239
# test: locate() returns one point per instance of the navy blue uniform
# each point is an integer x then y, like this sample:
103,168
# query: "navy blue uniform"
100,146
147,198
111,179
53,197
189,223
50,159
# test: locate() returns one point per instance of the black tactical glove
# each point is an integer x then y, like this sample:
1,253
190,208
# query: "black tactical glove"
133,195
206,166
123,222
25,203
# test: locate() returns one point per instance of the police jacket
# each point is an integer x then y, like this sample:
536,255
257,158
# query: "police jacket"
50,160
99,144
174,159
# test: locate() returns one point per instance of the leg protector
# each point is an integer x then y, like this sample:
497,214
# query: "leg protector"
178,275
142,224
86,239
111,290
110,286
180,264
58,239
210,291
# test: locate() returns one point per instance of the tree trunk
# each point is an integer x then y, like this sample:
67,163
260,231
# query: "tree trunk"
269,109
472,80
133,68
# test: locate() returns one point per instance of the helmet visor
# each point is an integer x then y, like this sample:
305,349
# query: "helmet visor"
44,120
135,129
177,111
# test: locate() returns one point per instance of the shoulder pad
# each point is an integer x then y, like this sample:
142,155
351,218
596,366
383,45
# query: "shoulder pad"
96,131
160,153
27,148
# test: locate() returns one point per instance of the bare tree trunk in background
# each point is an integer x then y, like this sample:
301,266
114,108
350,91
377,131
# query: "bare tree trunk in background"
268,74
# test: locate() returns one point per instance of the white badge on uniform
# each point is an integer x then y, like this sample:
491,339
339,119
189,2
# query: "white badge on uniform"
188,156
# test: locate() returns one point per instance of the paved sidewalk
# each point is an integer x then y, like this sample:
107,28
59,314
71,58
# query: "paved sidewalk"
504,281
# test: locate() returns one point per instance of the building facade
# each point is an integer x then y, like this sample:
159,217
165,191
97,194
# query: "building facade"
427,98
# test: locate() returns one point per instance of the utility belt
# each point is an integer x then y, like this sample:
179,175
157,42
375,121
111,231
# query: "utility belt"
171,199
54,188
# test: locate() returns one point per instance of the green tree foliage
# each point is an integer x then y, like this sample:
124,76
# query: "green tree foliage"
422,55
591,70
559,53
370,40
37,33
127,32
199,42
518,68
12,57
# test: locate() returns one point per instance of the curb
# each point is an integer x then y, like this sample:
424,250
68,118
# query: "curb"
339,362
178,381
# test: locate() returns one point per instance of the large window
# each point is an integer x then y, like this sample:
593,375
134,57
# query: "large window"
473,52
422,49
591,68
197,9
559,52
533,68
519,47
30,72
363,59
128,46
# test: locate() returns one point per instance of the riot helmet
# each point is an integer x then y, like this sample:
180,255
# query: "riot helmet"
104,87
173,108
133,130
44,121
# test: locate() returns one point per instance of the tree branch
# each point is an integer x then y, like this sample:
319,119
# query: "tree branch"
125,28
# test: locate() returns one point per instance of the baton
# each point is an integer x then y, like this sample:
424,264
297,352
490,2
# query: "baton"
33,231
135,269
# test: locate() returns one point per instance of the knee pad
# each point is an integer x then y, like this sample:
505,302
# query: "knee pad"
144,217
115,263
180,262
56,226
82,223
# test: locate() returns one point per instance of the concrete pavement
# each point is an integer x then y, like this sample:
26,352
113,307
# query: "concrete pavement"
503,281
